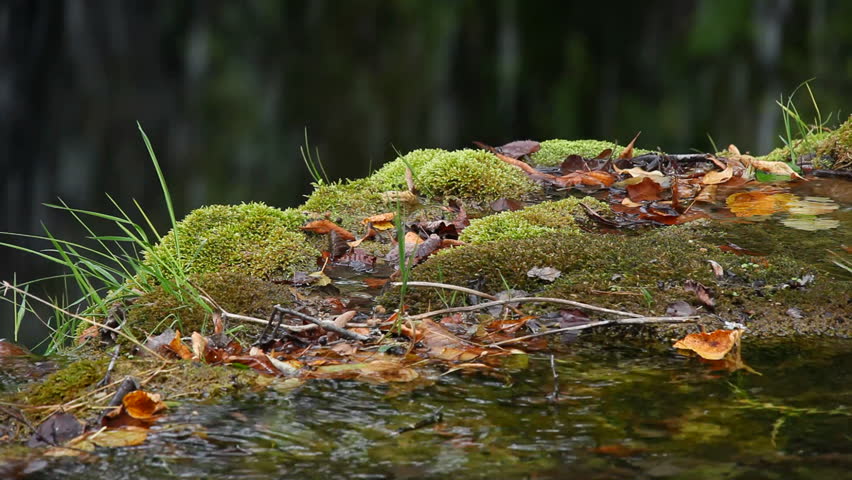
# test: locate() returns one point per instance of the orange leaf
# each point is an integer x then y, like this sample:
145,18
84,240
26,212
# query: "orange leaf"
324,226
712,346
142,405
646,190
179,347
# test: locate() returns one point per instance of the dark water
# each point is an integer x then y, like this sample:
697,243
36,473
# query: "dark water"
625,411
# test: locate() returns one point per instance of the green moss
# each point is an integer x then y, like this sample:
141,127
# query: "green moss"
804,146
252,239
157,310
659,262
553,152
547,217
392,175
837,148
65,384
475,175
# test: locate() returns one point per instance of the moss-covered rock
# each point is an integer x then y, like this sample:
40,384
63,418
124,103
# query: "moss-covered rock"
548,217
645,273
837,147
392,175
65,384
803,146
159,309
474,175
251,239
553,152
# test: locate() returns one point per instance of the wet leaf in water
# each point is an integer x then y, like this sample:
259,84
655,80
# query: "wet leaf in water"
749,204
122,437
810,223
712,346
381,371
812,206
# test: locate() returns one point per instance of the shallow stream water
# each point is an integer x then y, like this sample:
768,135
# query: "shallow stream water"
623,411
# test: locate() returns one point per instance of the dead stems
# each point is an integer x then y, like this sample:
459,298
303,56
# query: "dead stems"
600,323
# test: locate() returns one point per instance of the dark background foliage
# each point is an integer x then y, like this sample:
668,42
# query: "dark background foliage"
225,89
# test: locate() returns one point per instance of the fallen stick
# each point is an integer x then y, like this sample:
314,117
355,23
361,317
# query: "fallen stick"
447,286
292,328
620,321
324,324
561,301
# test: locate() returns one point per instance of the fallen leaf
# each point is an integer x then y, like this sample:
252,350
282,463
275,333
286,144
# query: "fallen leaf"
519,148
748,204
810,224
142,405
199,346
506,204
380,222
646,190
129,436
9,349
324,226
703,293
712,346
718,271
548,274
403,196
716,177
56,430
180,349
627,153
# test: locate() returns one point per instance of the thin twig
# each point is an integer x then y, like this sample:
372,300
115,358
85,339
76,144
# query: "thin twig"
324,324
292,328
561,301
619,321
447,286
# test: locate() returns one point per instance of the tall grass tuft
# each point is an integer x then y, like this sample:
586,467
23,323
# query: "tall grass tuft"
115,268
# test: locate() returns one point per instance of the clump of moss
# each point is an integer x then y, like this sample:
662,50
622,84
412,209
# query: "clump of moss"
553,152
65,384
475,175
158,309
837,146
548,217
658,262
803,146
251,238
392,175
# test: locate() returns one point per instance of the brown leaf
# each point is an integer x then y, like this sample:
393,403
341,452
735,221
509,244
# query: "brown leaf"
199,346
177,347
716,177
522,165
9,349
627,153
506,204
519,148
712,346
646,190
324,226
703,293
142,405
56,430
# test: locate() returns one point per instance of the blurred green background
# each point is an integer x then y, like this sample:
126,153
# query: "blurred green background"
225,89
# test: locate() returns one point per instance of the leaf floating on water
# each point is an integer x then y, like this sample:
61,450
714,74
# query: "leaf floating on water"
142,405
712,346
812,206
810,223
750,204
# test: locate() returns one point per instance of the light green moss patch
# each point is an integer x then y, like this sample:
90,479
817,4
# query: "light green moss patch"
392,175
474,175
835,150
252,239
548,217
804,146
65,384
553,152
